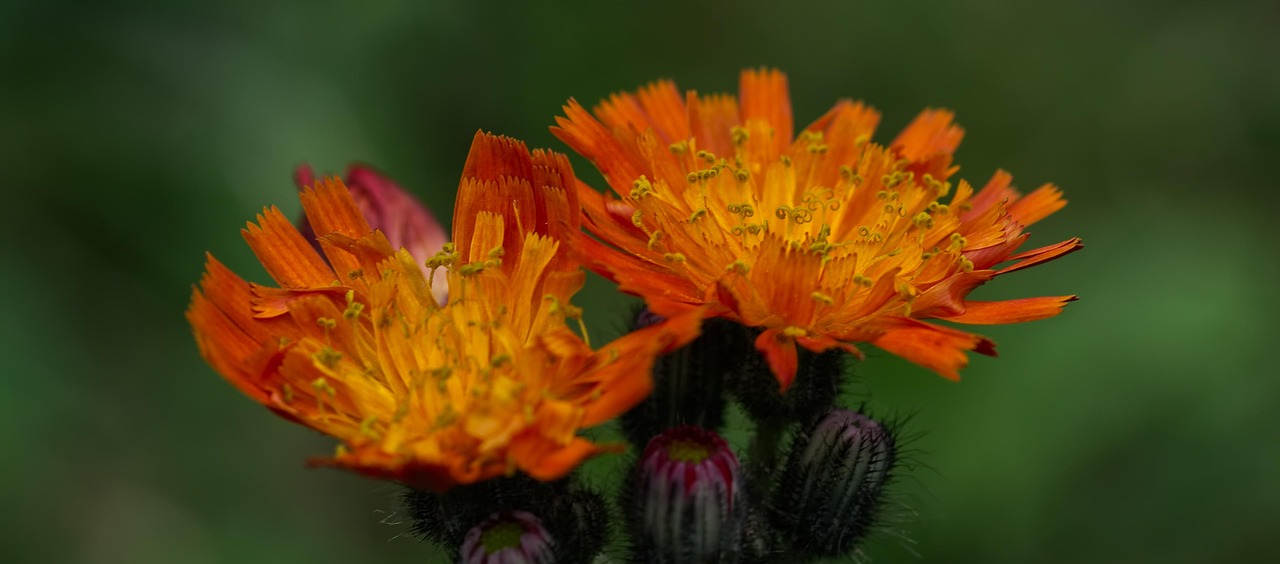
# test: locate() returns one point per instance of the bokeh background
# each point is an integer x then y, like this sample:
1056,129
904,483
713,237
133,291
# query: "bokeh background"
1141,425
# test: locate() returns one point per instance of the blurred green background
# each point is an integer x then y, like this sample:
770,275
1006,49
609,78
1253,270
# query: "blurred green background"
1139,426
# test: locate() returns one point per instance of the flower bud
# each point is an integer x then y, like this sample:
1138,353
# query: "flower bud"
394,211
510,537
685,499
833,482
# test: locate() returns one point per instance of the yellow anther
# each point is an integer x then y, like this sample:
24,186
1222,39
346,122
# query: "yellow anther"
692,177
739,266
679,148
353,310
966,264
822,298
793,331
745,210
741,175
861,140
366,427
444,257
653,239
323,386
641,188
673,257
786,161
926,256
326,322
707,156
739,135
923,220
500,360
697,214
471,269
497,252
328,357
635,219
862,280
818,148
355,273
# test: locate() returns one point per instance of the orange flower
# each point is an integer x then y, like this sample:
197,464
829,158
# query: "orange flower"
822,241
358,348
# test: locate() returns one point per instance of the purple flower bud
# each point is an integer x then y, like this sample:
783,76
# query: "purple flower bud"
686,501
833,482
510,537
390,209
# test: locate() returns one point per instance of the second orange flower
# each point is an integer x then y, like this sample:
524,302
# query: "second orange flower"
821,240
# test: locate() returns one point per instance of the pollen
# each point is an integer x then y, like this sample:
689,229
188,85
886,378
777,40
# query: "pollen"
738,266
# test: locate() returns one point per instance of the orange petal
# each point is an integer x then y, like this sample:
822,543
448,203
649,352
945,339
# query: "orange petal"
764,96
930,134
1043,254
937,348
711,118
1010,311
998,189
591,139
665,110
546,461
780,353
1037,205
285,253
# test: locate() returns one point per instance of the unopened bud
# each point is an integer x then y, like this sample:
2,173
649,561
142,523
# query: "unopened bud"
686,499
508,538
833,482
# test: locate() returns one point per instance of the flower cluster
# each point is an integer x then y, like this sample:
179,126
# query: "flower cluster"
463,370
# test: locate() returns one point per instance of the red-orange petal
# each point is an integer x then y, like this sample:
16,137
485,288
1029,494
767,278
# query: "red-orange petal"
937,348
780,354
1042,254
1010,311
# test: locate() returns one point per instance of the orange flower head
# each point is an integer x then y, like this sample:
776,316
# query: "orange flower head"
822,240
357,347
